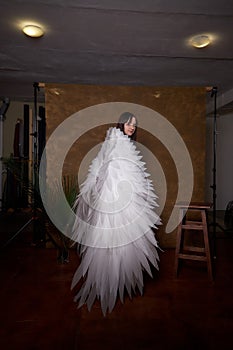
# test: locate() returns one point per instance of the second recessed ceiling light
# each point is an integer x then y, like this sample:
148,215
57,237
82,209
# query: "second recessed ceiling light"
200,41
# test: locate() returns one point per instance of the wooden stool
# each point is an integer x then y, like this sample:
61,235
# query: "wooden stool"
192,252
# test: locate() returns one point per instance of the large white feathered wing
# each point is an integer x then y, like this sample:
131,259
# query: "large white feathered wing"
113,227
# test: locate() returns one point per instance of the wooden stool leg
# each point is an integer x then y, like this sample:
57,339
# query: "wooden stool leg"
207,246
193,252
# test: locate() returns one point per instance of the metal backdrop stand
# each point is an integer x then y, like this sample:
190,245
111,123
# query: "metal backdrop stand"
214,92
3,109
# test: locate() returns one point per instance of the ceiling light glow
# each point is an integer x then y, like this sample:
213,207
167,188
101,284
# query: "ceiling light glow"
200,41
33,31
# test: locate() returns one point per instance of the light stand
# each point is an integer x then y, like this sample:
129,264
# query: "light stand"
38,231
35,164
3,110
214,92
34,134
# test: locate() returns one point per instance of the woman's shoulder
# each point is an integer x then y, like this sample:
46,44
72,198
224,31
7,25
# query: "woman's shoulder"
115,133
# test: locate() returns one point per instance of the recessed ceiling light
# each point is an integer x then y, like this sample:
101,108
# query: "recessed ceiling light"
33,31
200,41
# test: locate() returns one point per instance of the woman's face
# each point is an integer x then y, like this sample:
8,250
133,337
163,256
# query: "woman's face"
130,126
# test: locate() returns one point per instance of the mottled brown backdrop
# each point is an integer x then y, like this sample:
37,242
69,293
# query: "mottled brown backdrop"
183,107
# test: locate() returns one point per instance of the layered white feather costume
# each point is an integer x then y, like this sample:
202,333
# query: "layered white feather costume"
113,227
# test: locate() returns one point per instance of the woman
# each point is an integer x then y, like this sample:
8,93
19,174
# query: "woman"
114,220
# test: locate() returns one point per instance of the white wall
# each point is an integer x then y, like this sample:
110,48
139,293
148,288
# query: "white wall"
224,160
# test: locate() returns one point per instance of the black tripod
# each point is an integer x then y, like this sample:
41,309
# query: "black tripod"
38,217
34,219
214,223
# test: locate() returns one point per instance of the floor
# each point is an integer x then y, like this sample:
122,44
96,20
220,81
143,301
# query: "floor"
38,312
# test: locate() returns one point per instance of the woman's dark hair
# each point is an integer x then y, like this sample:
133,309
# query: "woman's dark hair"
127,117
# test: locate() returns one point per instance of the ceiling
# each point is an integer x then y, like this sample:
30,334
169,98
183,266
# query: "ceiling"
115,42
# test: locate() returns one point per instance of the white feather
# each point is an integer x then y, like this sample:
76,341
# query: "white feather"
114,217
